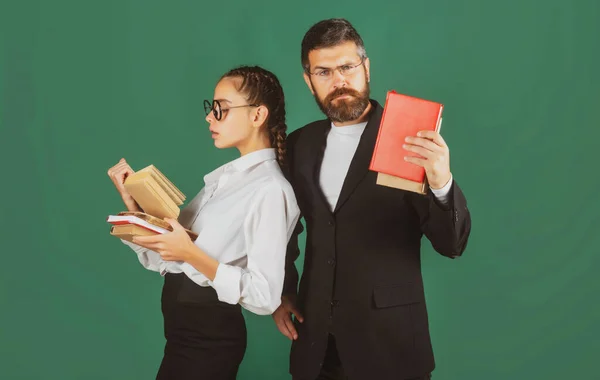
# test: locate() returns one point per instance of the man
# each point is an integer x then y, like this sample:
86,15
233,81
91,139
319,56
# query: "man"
360,310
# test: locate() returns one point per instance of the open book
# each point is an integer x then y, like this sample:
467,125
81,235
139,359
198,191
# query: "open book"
128,224
157,197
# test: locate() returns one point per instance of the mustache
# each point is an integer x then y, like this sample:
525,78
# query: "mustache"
341,91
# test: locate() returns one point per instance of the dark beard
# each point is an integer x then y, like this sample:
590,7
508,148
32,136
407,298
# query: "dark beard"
344,109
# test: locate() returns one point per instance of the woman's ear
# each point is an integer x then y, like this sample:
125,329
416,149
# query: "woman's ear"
260,116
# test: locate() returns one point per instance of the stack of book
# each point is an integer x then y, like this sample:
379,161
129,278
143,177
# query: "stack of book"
157,197
403,116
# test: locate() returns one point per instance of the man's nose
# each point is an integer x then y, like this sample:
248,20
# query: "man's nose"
339,80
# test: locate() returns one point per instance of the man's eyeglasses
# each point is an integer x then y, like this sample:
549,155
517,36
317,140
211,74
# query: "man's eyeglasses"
326,74
217,110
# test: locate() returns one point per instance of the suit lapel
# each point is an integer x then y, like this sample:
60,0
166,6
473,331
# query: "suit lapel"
362,158
318,151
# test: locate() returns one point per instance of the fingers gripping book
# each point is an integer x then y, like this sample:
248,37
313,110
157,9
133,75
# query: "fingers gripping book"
157,196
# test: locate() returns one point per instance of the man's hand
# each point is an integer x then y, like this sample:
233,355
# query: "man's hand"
434,156
282,317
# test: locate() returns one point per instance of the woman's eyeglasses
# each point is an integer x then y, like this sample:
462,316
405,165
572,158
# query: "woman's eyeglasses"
217,110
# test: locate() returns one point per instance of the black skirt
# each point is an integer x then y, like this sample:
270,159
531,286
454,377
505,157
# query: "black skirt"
206,338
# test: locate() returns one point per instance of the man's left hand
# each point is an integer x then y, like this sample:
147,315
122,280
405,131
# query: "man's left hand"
434,156
172,246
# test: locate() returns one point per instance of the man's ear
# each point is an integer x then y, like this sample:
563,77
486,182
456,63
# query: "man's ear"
260,116
308,83
368,68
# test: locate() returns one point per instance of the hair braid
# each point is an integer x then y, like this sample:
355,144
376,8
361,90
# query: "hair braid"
263,87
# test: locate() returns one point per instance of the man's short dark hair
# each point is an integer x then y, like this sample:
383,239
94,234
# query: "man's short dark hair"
330,33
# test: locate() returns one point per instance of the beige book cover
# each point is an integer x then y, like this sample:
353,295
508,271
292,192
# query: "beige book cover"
158,197
402,183
128,231
151,197
174,193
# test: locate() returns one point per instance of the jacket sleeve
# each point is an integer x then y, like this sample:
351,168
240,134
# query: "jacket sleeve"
290,284
447,226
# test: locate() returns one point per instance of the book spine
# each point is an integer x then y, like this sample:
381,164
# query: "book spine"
379,132
438,127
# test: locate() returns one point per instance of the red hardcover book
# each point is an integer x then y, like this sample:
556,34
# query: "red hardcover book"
403,116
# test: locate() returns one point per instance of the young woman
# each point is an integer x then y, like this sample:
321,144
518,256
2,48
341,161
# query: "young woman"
244,217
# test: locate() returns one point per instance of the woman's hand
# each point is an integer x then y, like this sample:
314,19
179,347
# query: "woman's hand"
118,174
172,246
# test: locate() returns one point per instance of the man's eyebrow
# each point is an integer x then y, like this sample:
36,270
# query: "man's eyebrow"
346,63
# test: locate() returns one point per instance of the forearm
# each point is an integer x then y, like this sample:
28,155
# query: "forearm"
290,283
255,290
447,225
203,263
260,295
442,193
451,227
257,286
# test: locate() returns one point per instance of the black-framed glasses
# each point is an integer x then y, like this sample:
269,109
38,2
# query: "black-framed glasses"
217,110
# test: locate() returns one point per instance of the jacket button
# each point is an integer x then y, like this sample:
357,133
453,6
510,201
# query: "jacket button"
335,303
331,261
330,222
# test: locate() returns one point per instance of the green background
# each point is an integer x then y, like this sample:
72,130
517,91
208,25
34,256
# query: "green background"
85,83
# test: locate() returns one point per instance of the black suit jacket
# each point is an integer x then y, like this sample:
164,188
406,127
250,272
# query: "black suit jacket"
362,269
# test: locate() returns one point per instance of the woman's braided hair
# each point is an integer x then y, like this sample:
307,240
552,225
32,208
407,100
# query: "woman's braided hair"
262,87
